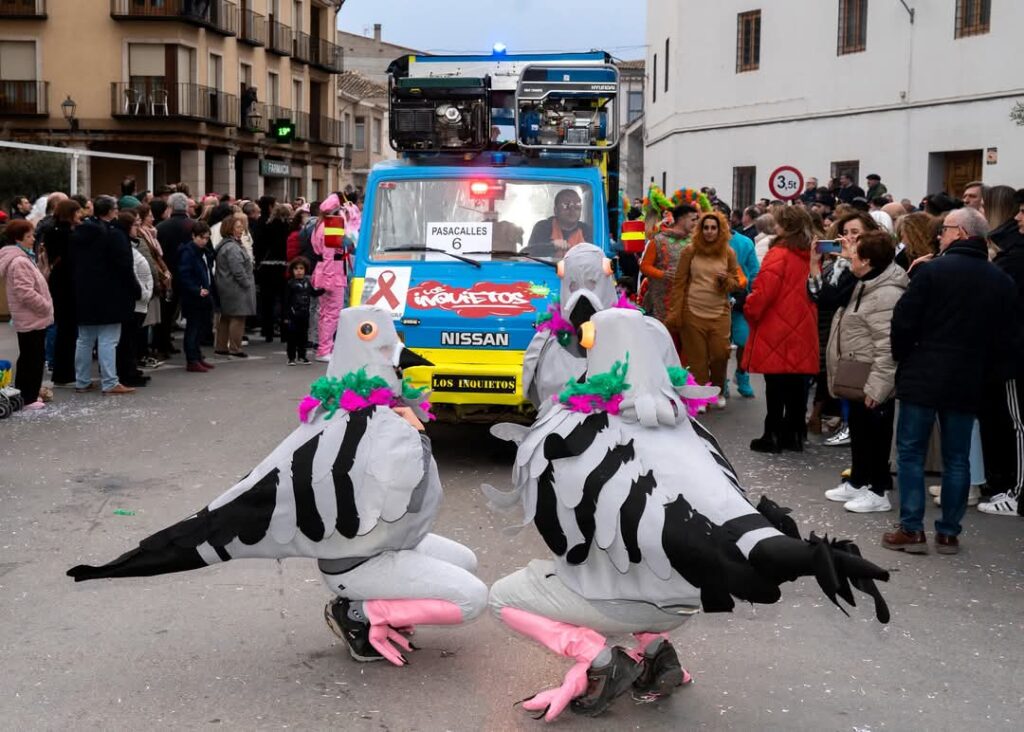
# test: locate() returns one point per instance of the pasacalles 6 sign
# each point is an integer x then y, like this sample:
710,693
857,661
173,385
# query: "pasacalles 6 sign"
786,182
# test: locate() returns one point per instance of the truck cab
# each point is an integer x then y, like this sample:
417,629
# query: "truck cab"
505,164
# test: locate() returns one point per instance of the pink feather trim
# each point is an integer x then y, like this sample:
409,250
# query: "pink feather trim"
307,405
587,403
625,303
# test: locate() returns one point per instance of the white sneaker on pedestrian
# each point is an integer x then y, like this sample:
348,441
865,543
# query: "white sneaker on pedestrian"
840,438
935,490
1001,504
702,409
973,495
845,492
720,403
323,359
868,502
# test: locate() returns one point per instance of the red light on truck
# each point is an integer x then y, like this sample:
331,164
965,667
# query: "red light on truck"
479,189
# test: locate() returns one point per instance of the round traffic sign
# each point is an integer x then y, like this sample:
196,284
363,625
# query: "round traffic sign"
786,182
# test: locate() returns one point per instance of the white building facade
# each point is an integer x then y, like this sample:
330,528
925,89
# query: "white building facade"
917,91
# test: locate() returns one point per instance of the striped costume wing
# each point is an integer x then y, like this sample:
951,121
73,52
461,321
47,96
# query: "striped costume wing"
329,481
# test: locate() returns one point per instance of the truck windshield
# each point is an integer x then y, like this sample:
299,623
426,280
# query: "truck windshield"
480,218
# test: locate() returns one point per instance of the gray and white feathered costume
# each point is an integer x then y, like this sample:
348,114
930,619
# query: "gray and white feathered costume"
357,490
645,522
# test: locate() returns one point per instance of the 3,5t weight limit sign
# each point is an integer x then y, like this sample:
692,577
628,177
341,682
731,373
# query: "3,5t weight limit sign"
786,182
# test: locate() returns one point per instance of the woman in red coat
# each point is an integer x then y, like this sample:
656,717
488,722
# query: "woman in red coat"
783,342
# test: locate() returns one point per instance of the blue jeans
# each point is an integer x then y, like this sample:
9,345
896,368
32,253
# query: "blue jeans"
912,435
105,338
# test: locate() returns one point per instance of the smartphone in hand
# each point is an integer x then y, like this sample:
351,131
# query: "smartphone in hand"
829,246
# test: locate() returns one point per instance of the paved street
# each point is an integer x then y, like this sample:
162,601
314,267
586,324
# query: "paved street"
243,645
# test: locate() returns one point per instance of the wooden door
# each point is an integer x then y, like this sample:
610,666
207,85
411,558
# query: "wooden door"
962,167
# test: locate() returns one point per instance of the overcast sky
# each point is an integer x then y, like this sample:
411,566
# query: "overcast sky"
473,26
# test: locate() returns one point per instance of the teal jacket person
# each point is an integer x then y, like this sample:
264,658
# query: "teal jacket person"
746,256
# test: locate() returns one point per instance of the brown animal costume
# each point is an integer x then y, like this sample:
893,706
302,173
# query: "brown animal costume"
699,311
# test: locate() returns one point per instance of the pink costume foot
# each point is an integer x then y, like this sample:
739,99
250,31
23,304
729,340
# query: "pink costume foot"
388,616
571,641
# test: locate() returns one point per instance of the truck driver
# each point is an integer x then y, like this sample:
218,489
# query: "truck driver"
552,237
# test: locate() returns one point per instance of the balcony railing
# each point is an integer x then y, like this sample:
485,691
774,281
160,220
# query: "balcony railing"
301,120
253,29
280,38
24,98
26,9
155,98
219,16
325,130
327,56
302,47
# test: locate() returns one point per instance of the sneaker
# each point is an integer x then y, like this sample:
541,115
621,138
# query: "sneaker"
324,359
901,540
743,385
152,363
606,683
973,495
840,438
1001,504
305,361
702,409
35,406
661,672
245,342
935,490
720,402
845,492
291,362
355,633
868,502
84,389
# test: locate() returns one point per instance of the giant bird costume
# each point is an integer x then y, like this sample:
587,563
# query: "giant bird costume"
354,487
646,524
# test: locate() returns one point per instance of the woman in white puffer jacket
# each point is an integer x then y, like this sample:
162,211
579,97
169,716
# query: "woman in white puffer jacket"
860,332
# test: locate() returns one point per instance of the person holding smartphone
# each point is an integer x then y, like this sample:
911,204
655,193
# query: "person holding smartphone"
860,332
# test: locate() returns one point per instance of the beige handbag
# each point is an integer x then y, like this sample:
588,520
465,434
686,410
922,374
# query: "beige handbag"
850,375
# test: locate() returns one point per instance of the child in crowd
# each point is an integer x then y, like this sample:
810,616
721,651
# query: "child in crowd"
298,300
198,294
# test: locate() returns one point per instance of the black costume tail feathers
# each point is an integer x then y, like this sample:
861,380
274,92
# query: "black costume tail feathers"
141,562
778,517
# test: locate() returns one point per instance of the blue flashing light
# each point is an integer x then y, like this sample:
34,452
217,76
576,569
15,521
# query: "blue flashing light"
499,158
500,49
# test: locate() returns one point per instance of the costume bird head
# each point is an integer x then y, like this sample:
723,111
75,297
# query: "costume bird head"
366,339
624,356
587,285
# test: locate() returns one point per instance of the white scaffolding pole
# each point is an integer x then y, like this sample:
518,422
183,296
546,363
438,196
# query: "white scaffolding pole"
75,153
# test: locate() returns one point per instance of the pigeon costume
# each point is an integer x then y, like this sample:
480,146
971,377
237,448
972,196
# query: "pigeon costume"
554,355
646,525
354,487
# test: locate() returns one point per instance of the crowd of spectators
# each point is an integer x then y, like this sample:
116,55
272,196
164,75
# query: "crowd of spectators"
110,280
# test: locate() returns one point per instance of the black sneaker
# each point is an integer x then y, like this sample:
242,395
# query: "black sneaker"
354,632
661,673
606,683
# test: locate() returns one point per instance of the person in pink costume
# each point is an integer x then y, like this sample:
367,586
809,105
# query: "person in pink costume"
331,274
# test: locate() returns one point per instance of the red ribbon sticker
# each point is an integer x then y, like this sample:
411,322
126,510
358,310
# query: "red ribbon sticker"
385,283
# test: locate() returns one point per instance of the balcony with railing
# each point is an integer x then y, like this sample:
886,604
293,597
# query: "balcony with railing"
325,130
22,9
24,98
148,98
253,28
327,56
219,16
302,47
280,41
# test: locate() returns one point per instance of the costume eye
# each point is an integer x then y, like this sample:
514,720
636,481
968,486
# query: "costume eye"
367,330
587,335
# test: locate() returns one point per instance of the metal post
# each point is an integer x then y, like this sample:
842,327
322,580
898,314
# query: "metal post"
149,176
74,173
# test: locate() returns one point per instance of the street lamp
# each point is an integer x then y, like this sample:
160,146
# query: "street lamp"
255,120
68,107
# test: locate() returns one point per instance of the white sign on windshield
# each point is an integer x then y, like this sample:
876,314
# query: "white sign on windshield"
460,237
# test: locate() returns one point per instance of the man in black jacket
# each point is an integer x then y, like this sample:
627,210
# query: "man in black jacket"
948,339
1002,422
105,293
171,233
848,190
